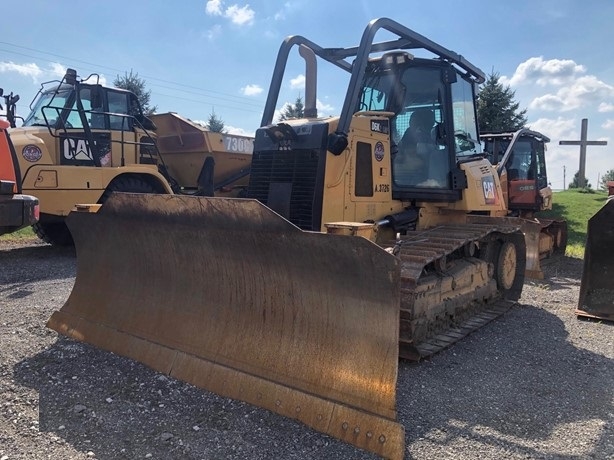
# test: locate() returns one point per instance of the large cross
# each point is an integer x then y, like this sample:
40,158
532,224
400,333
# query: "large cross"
583,142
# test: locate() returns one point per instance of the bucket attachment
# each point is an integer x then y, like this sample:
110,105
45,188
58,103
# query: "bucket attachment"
597,287
532,235
227,295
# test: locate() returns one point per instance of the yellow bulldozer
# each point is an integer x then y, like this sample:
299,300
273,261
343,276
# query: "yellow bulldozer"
82,141
376,234
520,159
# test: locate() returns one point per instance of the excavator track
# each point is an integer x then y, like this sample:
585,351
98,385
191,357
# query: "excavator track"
449,285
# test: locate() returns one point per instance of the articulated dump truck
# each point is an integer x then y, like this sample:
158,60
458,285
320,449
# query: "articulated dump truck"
596,289
83,141
520,159
376,234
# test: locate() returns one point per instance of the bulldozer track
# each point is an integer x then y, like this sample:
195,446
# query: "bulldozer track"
446,339
432,256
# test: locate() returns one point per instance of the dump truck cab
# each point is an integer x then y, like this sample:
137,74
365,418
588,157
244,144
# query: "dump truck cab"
83,141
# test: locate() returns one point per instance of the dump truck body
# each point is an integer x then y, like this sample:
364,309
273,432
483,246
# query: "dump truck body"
521,163
17,210
83,141
350,249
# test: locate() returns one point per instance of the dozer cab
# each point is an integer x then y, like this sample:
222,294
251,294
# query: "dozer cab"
520,159
83,141
378,233
596,288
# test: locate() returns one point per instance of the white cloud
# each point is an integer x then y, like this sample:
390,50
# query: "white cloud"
28,70
214,32
282,13
228,129
214,7
324,110
583,91
251,90
560,128
239,15
57,70
38,74
606,107
239,131
609,124
545,72
298,82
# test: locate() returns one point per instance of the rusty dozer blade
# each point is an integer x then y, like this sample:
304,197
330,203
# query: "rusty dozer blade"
229,296
597,287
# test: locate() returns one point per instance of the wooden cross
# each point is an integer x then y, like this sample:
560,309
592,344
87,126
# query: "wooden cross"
583,142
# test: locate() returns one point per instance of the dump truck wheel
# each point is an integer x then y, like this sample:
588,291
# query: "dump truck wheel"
54,233
506,266
131,184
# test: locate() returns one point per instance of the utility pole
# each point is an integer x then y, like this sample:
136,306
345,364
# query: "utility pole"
583,142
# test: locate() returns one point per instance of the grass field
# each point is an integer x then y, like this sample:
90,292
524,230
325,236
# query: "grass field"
24,233
576,208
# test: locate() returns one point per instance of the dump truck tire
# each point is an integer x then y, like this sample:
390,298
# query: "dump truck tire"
128,184
54,233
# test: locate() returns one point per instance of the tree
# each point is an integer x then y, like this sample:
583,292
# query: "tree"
575,182
132,82
497,110
608,176
293,111
215,123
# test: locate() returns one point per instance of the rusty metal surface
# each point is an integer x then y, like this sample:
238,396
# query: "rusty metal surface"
445,289
597,286
227,295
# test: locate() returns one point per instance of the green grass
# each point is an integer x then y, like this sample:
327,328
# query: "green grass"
576,208
23,234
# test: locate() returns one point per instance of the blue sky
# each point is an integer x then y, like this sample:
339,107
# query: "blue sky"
200,56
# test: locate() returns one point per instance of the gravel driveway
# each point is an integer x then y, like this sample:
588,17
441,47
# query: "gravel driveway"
535,383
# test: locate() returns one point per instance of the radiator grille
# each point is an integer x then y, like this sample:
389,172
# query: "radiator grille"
300,169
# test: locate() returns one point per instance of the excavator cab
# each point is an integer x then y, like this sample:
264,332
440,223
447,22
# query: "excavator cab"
520,159
521,156
364,237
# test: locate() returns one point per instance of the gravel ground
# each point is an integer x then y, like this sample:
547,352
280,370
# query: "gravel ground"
536,383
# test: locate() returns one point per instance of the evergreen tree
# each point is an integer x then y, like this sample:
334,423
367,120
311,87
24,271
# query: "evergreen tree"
215,123
608,176
497,109
293,111
133,83
575,182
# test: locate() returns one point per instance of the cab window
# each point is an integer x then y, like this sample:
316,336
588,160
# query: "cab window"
465,131
118,105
